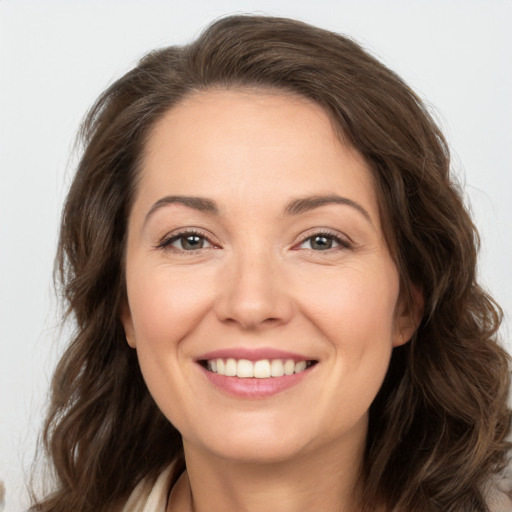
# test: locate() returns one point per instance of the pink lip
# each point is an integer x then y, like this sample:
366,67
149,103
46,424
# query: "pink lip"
251,354
254,388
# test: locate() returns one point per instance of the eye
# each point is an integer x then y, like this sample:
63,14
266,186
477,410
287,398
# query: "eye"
186,242
323,242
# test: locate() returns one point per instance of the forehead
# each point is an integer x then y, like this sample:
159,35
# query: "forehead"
247,142
240,115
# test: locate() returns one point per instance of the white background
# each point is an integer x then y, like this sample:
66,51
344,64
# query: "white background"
56,57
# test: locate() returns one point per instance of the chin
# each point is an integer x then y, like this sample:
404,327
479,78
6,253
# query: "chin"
258,451
256,440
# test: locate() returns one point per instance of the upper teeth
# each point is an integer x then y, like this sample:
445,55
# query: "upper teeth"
261,369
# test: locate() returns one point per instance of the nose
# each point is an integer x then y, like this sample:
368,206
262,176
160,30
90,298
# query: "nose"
253,293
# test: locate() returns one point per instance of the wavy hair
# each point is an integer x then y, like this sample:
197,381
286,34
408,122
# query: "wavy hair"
438,425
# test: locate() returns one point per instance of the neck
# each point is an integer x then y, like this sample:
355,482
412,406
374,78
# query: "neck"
326,479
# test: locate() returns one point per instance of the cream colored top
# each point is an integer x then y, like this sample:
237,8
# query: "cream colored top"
500,496
154,499
145,498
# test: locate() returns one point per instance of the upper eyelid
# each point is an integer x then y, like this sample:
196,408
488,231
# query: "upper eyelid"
312,232
174,235
325,231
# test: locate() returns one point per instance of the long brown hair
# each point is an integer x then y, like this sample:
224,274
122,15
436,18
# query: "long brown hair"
438,425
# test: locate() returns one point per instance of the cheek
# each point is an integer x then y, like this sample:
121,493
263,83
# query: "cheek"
355,312
355,305
166,305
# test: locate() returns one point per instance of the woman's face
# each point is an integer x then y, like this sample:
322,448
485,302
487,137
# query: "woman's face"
255,248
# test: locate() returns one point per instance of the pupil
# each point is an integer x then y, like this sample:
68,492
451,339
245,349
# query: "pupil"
192,242
321,243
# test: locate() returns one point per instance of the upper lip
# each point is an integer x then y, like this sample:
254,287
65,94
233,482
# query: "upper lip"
252,354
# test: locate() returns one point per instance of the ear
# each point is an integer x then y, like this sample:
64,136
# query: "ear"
127,321
408,318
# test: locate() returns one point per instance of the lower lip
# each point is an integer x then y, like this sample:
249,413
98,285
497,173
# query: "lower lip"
252,387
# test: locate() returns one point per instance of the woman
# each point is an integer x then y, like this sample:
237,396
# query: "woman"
273,279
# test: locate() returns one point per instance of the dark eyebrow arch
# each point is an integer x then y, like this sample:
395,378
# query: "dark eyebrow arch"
306,204
295,207
197,203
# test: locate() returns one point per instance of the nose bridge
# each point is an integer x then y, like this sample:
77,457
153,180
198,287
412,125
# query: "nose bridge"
253,292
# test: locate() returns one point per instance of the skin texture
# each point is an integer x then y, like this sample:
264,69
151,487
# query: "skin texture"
258,282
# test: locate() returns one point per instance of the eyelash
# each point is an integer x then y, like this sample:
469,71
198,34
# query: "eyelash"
166,242
342,242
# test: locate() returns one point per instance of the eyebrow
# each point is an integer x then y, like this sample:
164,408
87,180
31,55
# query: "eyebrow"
295,207
306,204
201,204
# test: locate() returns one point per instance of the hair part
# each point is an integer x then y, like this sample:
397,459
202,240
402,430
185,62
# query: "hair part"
438,426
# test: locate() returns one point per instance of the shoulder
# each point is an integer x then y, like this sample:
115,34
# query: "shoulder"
500,492
150,495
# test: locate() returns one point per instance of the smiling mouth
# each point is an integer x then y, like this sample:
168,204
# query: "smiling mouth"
261,369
